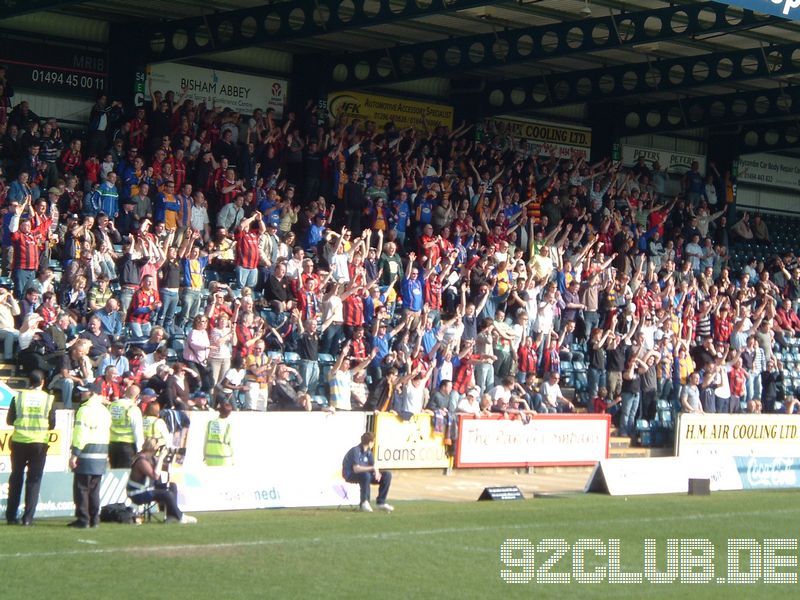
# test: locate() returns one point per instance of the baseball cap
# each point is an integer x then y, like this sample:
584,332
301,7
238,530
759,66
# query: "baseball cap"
148,392
54,190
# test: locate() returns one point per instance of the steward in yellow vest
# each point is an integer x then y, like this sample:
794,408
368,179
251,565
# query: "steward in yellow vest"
126,434
33,416
90,438
218,450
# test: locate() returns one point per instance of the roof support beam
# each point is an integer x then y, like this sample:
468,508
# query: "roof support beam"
606,84
770,137
541,42
707,111
269,23
15,8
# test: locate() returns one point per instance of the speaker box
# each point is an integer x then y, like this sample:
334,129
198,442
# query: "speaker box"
699,487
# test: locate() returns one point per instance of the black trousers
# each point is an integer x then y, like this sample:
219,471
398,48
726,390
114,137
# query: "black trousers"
32,458
166,496
121,455
86,495
364,480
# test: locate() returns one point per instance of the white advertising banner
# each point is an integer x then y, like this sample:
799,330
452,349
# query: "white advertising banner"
738,435
670,475
540,137
59,441
544,440
667,475
673,161
242,93
769,169
279,460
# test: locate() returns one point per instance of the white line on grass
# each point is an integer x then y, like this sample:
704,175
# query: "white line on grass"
374,536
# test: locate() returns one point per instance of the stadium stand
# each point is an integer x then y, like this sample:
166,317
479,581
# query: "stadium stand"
297,262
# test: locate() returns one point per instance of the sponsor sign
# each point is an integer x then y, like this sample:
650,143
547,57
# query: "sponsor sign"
411,444
347,106
676,163
279,460
767,472
59,442
738,435
789,9
55,495
242,93
55,69
667,475
769,169
546,139
544,440
635,476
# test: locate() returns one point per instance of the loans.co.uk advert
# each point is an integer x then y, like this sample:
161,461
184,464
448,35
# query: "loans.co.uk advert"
672,561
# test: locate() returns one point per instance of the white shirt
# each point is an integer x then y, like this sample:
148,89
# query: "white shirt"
333,308
500,392
551,392
469,406
199,218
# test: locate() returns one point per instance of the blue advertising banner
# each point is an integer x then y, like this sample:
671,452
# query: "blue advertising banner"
760,472
789,9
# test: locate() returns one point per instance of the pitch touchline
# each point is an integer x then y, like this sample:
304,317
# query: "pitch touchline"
364,536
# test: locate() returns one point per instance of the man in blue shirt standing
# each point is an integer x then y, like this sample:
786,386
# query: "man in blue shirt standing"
359,467
411,288
109,197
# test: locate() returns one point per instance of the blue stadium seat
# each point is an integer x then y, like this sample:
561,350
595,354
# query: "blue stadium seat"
291,358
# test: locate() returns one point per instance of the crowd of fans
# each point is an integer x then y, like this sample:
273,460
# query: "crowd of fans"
202,253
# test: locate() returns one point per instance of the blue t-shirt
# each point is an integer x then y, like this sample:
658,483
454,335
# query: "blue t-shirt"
403,213
411,292
356,456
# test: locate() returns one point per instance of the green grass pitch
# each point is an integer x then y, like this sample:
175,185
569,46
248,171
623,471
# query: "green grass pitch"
422,550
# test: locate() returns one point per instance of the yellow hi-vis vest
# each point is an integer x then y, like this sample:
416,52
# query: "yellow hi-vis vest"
121,422
156,428
90,436
218,450
33,409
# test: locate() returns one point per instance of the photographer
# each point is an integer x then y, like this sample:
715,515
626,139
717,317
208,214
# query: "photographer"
145,482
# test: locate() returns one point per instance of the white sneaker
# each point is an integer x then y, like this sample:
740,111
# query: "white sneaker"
385,507
188,520
365,506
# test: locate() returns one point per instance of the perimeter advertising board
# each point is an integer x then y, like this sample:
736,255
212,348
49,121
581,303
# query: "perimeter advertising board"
404,113
59,441
543,138
411,444
544,440
738,435
674,162
670,475
770,169
226,89
279,460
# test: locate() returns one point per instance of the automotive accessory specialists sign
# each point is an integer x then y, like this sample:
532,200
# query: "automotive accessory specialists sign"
347,106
